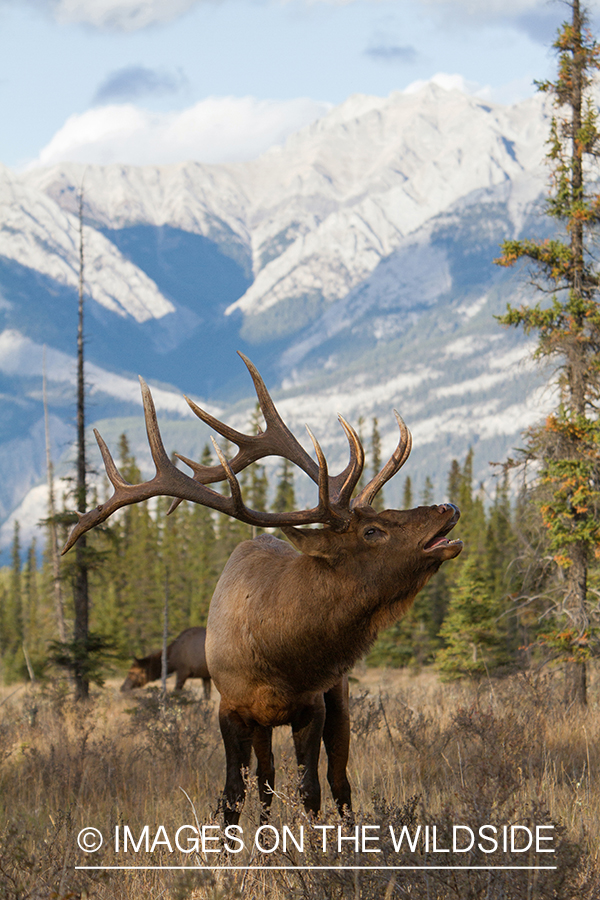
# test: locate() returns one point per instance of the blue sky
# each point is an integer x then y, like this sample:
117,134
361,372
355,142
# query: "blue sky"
139,81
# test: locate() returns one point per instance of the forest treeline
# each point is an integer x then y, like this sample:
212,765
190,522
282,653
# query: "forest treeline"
487,612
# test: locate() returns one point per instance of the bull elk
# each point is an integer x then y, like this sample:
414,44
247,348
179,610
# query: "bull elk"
185,655
286,624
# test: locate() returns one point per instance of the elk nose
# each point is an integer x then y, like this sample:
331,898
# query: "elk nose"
443,507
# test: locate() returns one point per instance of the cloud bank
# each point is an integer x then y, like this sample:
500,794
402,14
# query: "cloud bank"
531,16
215,130
118,15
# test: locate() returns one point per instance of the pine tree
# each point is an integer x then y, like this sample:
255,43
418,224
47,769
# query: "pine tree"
205,562
427,492
407,494
473,630
231,532
33,619
566,446
454,481
81,597
14,663
360,432
285,498
378,502
256,485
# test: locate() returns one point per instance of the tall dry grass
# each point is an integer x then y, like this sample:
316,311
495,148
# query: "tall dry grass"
423,753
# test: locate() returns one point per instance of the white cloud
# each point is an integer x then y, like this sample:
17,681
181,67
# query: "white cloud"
218,129
449,83
132,15
490,9
118,15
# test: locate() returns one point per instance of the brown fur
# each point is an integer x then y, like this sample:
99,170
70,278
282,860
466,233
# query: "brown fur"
286,625
185,655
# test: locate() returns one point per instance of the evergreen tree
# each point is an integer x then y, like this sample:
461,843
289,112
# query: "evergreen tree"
378,501
407,494
565,446
14,663
473,630
34,621
360,432
203,540
454,481
256,485
231,532
285,498
427,493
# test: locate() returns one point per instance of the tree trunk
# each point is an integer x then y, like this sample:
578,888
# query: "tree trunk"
52,533
576,683
80,588
576,670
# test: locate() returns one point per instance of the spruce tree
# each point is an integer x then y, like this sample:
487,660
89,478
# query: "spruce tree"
14,614
454,481
205,562
407,494
565,448
34,621
473,629
427,492
285,498
379,501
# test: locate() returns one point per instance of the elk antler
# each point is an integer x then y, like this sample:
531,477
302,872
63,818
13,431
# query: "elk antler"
393,465
335,492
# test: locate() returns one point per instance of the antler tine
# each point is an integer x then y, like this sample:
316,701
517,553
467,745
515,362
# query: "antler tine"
220,427
351,474
114,476
123,494
393,465
236,493
277,430
157,448
323,474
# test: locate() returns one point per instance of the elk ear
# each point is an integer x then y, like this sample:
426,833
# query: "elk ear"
314,541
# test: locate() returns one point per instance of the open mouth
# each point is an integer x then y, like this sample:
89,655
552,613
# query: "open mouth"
439,539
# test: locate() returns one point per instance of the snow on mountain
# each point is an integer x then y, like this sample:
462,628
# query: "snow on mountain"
37,234
353,265
316,216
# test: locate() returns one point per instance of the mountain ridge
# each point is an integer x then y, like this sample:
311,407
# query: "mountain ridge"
352,264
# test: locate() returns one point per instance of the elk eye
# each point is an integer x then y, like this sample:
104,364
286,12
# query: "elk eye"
372,533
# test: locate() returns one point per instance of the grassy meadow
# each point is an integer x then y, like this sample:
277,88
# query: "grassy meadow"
499,752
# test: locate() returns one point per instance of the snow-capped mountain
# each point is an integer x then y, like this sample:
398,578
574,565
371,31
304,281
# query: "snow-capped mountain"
353,265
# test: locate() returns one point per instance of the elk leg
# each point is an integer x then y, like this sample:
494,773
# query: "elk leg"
307,734
181,680
265,768
336,737
237,738
206,684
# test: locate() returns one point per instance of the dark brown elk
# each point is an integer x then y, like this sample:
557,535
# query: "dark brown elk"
185,655
286,623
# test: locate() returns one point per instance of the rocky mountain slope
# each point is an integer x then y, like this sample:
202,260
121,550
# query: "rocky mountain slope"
353,265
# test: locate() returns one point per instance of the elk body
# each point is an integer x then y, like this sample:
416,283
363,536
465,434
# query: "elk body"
185,655
286,623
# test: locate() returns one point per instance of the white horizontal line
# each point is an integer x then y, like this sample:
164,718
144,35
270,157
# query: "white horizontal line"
321,868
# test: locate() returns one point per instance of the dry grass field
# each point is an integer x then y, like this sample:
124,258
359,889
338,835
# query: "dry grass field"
424,754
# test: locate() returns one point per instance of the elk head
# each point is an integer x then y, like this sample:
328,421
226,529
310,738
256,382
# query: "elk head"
137,676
